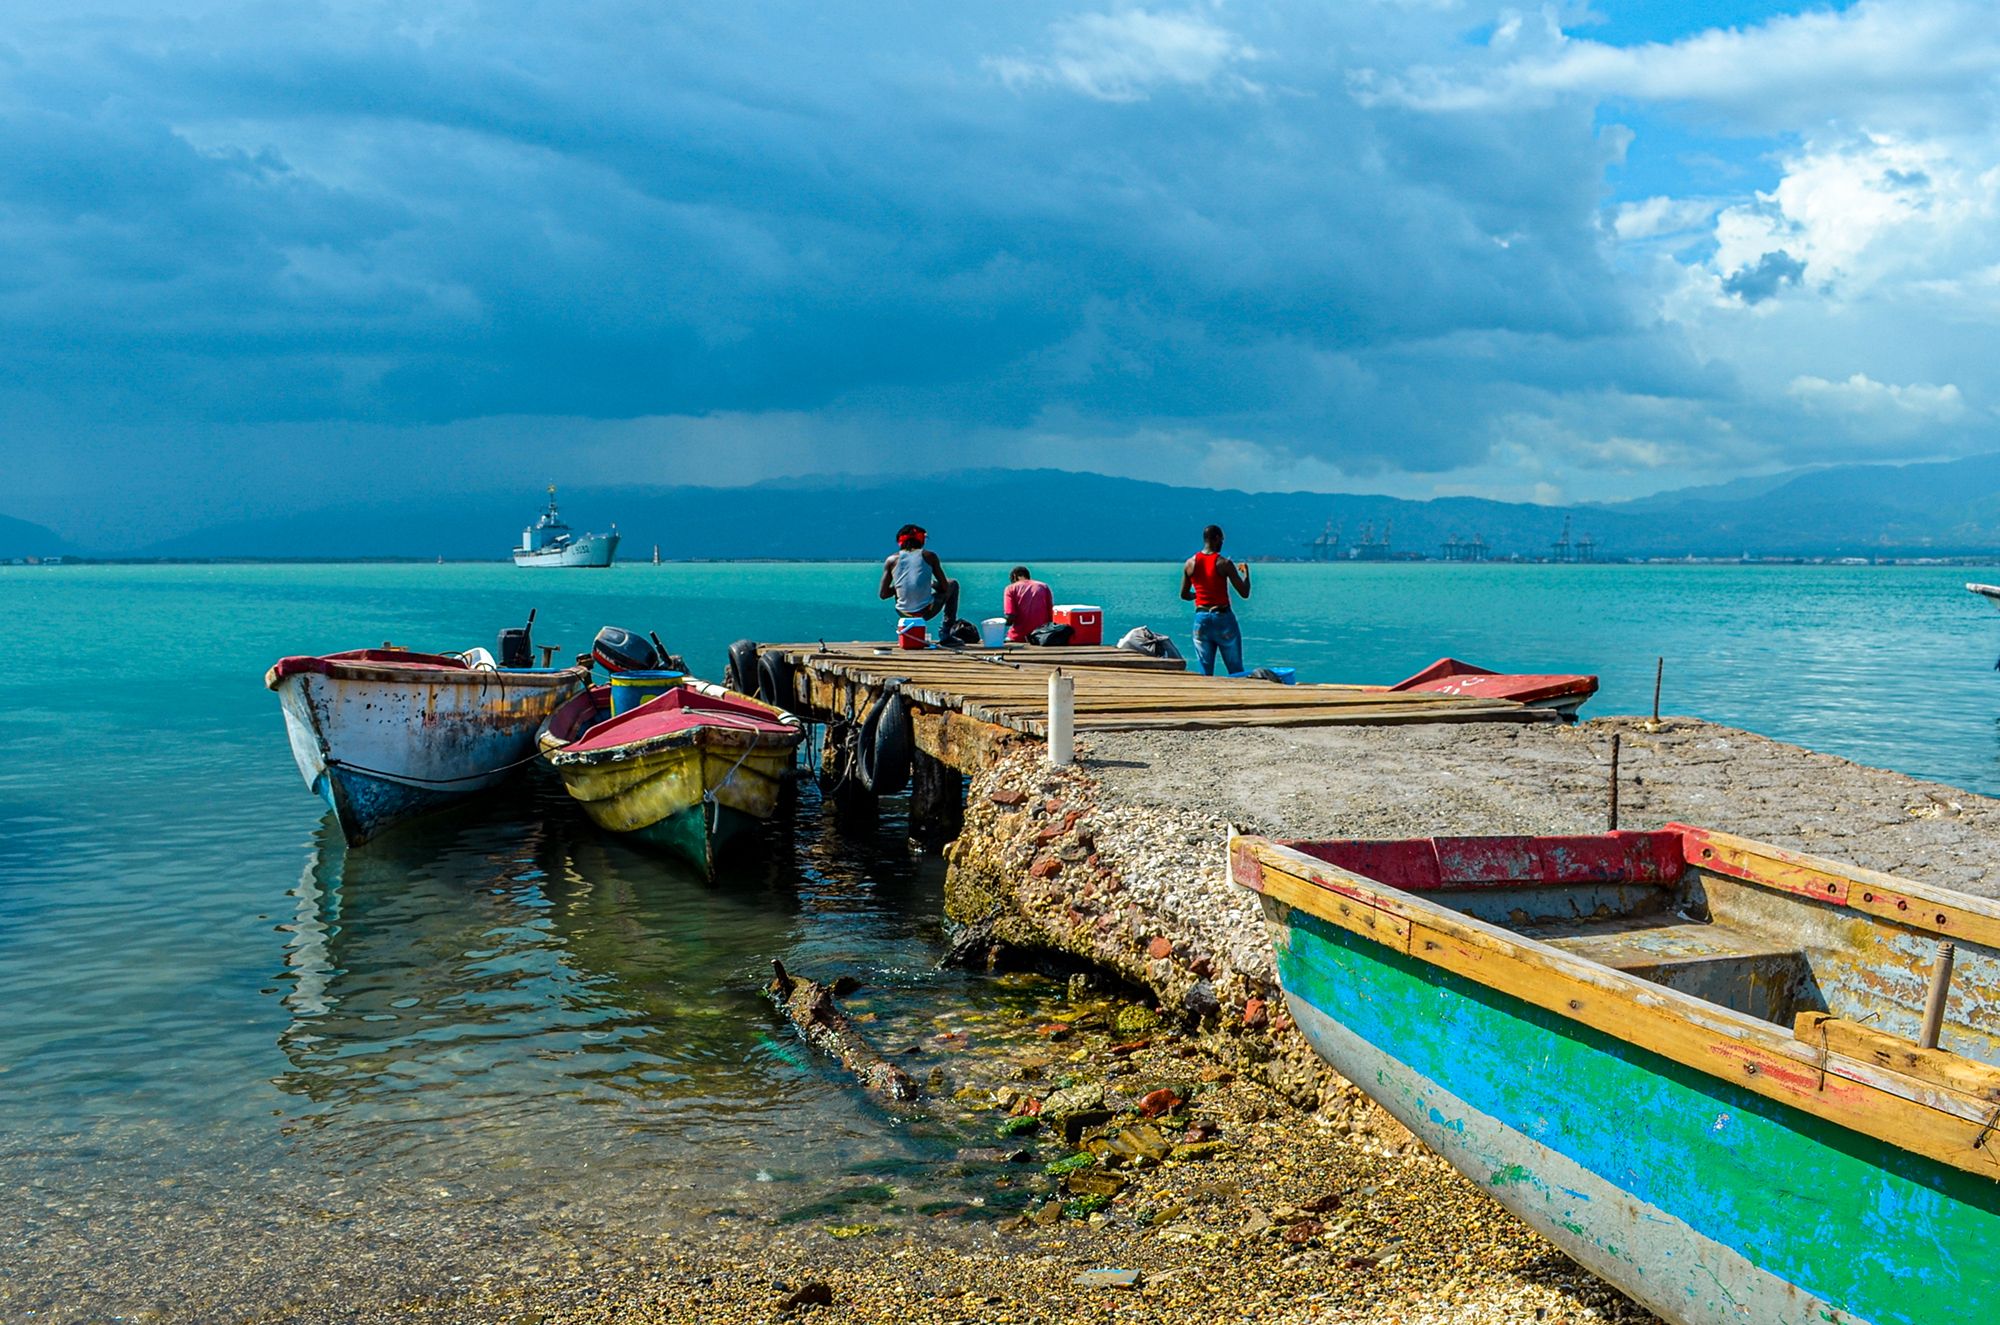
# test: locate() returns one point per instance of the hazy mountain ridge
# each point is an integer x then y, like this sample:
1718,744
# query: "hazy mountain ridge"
1949,508
20,538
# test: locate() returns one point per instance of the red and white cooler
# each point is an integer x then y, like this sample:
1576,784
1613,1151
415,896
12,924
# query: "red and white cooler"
1085,622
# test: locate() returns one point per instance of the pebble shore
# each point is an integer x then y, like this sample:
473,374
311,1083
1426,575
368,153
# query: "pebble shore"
1265,1215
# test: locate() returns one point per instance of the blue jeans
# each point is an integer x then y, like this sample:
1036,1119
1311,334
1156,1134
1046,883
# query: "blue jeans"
1218,630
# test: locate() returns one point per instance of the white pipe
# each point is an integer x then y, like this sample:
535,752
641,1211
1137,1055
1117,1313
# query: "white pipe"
1062,719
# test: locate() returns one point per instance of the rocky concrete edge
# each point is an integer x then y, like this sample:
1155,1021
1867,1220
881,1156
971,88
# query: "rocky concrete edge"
1051,863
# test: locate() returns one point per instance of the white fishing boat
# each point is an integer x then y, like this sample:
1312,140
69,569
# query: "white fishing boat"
384,734
1990,592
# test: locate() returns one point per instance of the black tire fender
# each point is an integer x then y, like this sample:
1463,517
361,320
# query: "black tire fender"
740,674
774,682
888,742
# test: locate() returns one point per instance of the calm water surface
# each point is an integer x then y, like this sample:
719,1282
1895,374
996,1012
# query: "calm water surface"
231,1042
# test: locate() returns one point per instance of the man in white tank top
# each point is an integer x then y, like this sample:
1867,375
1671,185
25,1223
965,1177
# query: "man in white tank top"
915,578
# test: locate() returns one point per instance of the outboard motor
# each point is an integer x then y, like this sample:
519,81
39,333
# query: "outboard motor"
618,650
517,645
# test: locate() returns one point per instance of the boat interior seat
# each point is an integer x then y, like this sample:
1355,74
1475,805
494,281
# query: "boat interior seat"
1746,972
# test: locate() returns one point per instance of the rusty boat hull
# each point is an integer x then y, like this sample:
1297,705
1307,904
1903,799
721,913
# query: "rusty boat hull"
1686,1059
384,735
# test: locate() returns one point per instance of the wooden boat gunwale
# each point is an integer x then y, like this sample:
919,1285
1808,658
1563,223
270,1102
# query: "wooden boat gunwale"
1935,1115
708,734
395,665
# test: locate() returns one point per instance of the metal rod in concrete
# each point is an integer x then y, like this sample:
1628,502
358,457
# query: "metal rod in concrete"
1659,674
1062,719
1940,990
1614,782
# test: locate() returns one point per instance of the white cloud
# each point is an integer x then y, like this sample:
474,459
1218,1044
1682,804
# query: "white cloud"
1898,63
1869,211
1861,395
1659,217
1127,54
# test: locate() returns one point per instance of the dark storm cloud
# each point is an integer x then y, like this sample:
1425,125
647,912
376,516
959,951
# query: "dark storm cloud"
383,214
1763,279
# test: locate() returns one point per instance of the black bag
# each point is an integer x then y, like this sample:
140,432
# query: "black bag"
1053,635
958,631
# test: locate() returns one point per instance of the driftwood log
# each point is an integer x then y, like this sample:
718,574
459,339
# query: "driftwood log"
811,1007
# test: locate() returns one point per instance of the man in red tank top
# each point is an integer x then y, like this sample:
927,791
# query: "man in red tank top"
1206,579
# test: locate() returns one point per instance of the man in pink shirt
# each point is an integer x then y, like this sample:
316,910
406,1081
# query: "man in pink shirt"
1028,605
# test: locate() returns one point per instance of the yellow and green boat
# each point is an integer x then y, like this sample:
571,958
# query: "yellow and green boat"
687,772
1746,1086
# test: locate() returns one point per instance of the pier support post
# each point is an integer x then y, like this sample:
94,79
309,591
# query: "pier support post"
937,800
844,793
1062,719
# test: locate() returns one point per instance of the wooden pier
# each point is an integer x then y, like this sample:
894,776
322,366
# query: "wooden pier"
1116,690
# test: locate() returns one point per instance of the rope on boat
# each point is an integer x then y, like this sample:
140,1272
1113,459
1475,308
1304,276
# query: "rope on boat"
708,794
434,782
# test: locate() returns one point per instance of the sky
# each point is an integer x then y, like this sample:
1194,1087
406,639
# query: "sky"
257,256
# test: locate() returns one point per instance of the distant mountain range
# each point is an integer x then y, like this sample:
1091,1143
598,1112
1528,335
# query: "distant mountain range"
18,539
1944,509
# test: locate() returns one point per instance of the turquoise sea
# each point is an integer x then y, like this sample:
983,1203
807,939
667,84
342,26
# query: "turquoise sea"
241,1064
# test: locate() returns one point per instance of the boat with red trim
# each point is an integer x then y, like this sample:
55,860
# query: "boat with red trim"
1563,692
687,771
1747,1086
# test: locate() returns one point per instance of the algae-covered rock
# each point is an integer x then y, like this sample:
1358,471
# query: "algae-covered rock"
1134,1020
1093,1182
1140,1145
1074,1099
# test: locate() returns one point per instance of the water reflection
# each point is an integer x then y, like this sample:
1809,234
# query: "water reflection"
511,987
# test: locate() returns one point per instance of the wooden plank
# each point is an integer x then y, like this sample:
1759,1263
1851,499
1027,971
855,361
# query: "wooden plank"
1917,905
1756,863
1350,913
1316,718
836,680
881,651
1728,1045
1939,1067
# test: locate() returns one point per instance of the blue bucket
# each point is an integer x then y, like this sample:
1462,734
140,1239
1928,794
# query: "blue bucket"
631,689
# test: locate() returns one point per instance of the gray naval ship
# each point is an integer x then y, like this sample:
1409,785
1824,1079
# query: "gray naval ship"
549,542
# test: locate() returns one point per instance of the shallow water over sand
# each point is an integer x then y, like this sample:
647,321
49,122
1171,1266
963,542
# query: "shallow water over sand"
243,1064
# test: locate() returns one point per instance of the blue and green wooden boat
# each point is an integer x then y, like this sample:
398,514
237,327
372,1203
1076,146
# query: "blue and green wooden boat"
1693,1062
